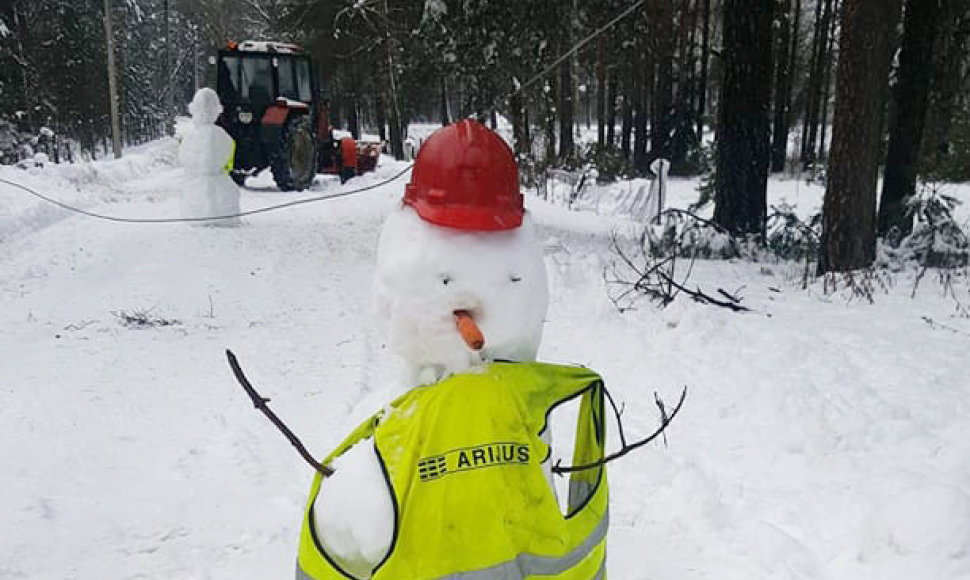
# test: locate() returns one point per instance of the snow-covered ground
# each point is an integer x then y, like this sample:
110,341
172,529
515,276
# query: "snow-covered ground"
822,437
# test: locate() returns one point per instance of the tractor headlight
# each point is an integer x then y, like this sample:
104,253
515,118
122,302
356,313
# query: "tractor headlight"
245,117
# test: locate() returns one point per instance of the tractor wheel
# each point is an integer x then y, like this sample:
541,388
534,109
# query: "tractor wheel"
294,165
346,174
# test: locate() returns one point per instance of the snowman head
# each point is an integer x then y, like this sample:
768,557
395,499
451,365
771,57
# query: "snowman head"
460,247
205,107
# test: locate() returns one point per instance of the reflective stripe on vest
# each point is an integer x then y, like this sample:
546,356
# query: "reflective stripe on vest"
526,565
462,460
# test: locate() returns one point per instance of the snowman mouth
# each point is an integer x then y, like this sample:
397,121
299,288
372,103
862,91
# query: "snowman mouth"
468,329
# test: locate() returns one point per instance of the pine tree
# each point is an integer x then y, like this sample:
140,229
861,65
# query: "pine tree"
742,148
849,212
906,126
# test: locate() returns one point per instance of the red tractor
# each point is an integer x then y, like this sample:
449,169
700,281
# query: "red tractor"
271,107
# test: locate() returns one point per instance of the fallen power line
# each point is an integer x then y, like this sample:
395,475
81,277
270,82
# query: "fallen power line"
265,209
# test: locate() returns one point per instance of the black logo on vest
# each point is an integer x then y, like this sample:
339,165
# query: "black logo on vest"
469,458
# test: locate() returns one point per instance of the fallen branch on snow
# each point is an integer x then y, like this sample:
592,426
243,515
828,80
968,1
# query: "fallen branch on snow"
656,279
934,324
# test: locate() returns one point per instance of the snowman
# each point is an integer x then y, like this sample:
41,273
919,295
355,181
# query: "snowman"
453,478
205,153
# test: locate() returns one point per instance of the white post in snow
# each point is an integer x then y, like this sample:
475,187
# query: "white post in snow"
657,198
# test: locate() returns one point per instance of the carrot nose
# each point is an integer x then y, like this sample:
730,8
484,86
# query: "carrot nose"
468,330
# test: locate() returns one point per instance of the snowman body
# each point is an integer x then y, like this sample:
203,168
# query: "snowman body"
429,271
207,190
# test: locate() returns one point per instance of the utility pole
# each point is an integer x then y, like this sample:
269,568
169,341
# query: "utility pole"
112,82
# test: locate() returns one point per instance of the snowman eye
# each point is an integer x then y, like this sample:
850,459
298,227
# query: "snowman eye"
514,278
445,279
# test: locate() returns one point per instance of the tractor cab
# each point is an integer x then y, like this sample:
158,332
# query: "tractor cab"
272,110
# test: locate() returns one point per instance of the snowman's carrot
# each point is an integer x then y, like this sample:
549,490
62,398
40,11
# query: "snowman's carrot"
468,330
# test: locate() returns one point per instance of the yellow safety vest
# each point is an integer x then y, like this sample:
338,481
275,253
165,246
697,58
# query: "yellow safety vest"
462,460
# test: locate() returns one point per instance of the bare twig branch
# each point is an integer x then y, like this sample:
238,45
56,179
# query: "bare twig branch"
665,421
700,296
618,413
732,297
698,219
260,403
663,412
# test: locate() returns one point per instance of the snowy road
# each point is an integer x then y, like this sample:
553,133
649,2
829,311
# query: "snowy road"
828,440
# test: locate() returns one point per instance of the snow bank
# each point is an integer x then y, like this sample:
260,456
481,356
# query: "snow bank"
83,185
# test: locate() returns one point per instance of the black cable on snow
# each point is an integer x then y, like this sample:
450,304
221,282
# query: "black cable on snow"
265,209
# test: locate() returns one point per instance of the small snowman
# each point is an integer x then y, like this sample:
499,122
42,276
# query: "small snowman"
452,479
205,152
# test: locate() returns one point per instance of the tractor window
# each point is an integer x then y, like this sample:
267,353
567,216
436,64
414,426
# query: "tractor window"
303,80
257,81
287,80
228,81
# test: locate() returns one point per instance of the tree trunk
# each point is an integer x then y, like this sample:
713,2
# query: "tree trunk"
809,117
783,72
169,86
611,109
641,112
824,117
793,68
682,140
817,84
24,58
549,125
566,146
946,85
112,81
629,91
394,107
742,153
601,92
381,113
626,120
353,119
123,95
520,136
661,122
906,126
705,58
827,81
682,123
444,109
849,211
395,129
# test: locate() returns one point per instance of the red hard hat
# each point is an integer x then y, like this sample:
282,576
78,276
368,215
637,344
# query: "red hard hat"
465,177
